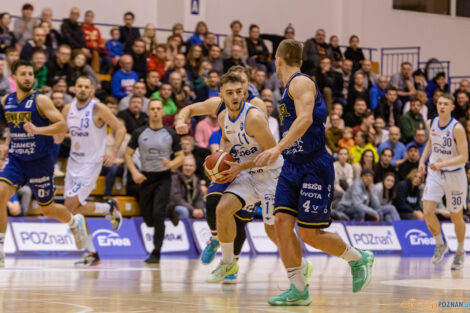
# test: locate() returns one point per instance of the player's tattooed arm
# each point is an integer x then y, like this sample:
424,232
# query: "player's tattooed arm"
47,108
462,148
210,106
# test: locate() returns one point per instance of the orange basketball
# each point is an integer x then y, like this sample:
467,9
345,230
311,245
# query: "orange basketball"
215,164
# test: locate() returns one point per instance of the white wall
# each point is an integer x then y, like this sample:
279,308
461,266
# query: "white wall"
374,21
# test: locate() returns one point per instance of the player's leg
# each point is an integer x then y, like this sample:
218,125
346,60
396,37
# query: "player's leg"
237,247
460,228
213,197
433,193
6,192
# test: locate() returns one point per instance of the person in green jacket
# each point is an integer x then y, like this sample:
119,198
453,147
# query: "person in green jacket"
164,95
40,70
411,121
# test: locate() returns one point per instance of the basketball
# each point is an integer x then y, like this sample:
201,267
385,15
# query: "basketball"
215,164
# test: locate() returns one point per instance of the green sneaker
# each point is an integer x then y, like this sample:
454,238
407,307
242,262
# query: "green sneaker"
222,270
292,297
307,272
361,270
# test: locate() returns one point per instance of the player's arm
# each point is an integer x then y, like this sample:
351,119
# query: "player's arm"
58,139
206,107
225,144
4,124
257,127
47,108
426,151
105,114
462,149
304,101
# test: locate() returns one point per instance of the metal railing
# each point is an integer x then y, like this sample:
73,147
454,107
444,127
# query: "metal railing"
366,50
454,81
391,58
436,67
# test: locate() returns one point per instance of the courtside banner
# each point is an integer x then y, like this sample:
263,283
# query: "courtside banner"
178,239
10,246
42,236
373,237
124,243
202,234
450,238
334,228
415,238
259,239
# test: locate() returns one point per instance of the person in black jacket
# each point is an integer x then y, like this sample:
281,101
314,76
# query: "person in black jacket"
59,67
128,33
314,49
139,57
72,32
257,50
354,53
235,58
408,197
389,108
329,82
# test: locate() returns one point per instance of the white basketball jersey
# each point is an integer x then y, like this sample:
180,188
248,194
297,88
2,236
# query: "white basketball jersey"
443,143
245,147
88,141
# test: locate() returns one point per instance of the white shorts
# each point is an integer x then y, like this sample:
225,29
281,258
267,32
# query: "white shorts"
80,179
257,187
453,185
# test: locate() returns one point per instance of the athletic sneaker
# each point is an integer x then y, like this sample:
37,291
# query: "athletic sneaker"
222,270
231,279
152,259
114,216
209,252
361,270
459,260
292,297
89,259
307,272
79,231
439,253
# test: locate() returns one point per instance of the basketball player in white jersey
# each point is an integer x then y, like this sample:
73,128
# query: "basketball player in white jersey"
447,150
87,120
246,133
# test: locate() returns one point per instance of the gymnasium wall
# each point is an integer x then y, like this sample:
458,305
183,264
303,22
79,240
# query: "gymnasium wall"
373,20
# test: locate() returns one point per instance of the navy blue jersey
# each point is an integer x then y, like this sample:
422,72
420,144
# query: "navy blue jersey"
313,141
24,146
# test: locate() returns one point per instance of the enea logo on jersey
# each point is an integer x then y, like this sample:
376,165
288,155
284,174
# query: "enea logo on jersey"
109,238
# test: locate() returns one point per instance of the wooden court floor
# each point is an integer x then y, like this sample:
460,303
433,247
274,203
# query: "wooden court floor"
178,285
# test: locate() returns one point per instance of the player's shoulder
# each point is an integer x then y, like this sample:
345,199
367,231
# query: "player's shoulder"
300,84
40,98
255,116
459,128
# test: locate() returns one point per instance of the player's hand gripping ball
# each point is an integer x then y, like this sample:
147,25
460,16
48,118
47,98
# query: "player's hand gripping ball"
215,164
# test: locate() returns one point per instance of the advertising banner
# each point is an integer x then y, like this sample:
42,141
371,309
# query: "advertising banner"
415,238
373,237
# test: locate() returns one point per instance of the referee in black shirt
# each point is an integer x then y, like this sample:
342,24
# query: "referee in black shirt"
156,146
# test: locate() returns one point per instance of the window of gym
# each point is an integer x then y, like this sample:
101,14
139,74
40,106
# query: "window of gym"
463,8
426,6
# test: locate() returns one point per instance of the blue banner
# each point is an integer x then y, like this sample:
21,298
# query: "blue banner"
125,242
415,238
195,7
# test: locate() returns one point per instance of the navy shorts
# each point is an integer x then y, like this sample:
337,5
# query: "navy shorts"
305,191
38,174
246,214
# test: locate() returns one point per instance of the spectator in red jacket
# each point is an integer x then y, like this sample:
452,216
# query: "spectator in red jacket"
157,60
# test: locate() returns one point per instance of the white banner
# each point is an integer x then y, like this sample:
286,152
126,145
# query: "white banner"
202,233
261,241
334,228
176,238
371,237
449,234
43,237
10,246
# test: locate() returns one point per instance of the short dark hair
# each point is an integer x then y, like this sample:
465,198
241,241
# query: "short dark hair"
291,51
129,13
113,30
388,149
18,64
392,88
27,6
236,22
230,77
85,77
239,69
39,50
110,99
136,97
253,26
405,63
10,50
212,72
440,74
448,96
360,99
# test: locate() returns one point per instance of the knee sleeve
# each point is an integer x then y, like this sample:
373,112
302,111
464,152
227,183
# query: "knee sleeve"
240,238
211,204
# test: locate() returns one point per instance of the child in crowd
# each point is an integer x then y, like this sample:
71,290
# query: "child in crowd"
114,46
347,141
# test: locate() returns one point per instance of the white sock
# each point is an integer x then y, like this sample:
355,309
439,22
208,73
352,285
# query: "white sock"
102,208
351,254
460,249
227,251
90,247
2,242
439,240
296,277
304,263
72,223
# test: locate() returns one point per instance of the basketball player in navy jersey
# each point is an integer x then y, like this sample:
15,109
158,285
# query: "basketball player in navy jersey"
215,106
305,187
32,120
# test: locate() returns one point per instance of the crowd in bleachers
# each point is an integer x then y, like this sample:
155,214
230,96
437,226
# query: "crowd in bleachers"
376,128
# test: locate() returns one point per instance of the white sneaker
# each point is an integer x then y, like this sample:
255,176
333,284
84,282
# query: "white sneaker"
458,263
79,232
